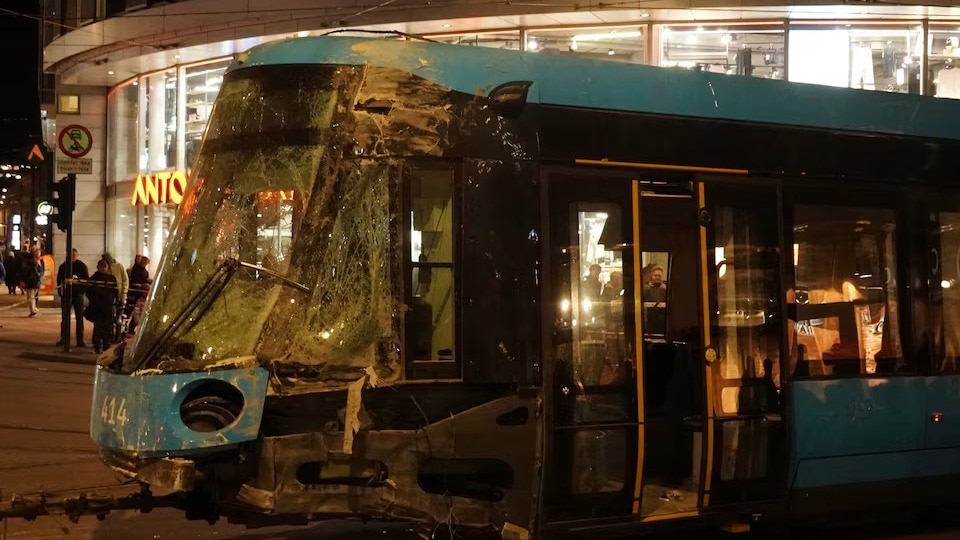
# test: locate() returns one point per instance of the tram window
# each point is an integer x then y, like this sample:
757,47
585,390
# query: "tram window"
655,273
844,300
747,271
599,460
946,273
430,319
592,314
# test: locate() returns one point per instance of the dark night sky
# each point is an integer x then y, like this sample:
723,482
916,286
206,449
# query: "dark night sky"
20,102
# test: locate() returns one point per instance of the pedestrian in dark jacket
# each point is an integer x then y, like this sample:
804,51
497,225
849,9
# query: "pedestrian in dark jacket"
79,271
31,274
103,295
12,269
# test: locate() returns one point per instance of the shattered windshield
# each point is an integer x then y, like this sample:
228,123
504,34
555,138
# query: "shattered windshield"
274,192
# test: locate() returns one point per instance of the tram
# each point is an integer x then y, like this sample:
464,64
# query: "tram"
541,296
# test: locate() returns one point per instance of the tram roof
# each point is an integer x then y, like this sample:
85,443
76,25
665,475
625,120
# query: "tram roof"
578,82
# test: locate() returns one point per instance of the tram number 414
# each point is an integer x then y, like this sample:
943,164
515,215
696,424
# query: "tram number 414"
114,412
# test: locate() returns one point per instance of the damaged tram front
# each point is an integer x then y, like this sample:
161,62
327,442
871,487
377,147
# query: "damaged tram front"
345,319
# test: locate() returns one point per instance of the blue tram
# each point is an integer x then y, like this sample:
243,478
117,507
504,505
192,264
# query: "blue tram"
536,295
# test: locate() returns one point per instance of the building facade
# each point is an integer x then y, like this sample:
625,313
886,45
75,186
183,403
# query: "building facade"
146,94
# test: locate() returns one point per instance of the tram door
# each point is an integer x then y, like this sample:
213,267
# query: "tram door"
746,329
625,399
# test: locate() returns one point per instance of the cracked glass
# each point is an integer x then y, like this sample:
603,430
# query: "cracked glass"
275,191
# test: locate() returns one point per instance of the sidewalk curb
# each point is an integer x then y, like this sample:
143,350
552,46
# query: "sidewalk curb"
65,358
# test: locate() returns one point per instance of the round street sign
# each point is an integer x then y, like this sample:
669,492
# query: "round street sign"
75,141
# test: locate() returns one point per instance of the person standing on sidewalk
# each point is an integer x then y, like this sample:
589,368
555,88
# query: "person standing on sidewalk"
104,298
30,275
12,270
76,299
139,289
123,280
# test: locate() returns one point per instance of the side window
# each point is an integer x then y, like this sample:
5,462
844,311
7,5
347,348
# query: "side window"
945,286
655,274
594,364
844,313
595,305
747,319
431,292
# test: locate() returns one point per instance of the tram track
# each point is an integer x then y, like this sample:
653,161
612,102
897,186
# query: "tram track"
42,464
19,427
35,379
45,370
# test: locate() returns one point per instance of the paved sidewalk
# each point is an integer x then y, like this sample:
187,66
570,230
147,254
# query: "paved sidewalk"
35,338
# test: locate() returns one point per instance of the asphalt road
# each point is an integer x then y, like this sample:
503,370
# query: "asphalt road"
44,416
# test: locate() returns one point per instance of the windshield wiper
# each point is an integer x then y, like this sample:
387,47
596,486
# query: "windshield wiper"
281,277
201,302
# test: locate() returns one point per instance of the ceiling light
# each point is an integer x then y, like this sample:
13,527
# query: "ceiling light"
610,52
303,33
446,25
110,72
607,35
644,14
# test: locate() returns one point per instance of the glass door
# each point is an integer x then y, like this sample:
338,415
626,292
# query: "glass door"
746,329
624,366
672,366
590,375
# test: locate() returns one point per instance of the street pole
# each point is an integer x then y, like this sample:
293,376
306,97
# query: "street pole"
67,190
66,300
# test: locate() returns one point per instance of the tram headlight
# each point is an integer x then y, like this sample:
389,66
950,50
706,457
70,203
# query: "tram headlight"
211,405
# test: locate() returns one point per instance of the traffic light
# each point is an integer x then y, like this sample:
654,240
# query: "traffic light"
63,199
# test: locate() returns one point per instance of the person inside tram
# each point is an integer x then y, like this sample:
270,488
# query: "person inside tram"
592,285
655,290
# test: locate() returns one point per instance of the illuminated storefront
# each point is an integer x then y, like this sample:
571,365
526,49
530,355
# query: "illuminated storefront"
155,120
165,113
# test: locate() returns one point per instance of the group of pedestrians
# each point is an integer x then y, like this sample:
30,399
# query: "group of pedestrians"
101,297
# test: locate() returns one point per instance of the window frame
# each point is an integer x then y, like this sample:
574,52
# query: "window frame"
798,191
932,203
431,369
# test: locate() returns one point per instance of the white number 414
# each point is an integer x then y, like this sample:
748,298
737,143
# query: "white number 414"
112,412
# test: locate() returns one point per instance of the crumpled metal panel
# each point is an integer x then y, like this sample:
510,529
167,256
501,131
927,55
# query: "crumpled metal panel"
277,489
140,413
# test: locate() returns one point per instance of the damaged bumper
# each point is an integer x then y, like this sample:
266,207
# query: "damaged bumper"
188,413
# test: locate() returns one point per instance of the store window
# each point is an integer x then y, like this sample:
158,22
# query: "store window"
844,309
605,43
157,221
202,84
493,40
943,62
430,320
122,115
881,58
159,147
755,51
122,233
